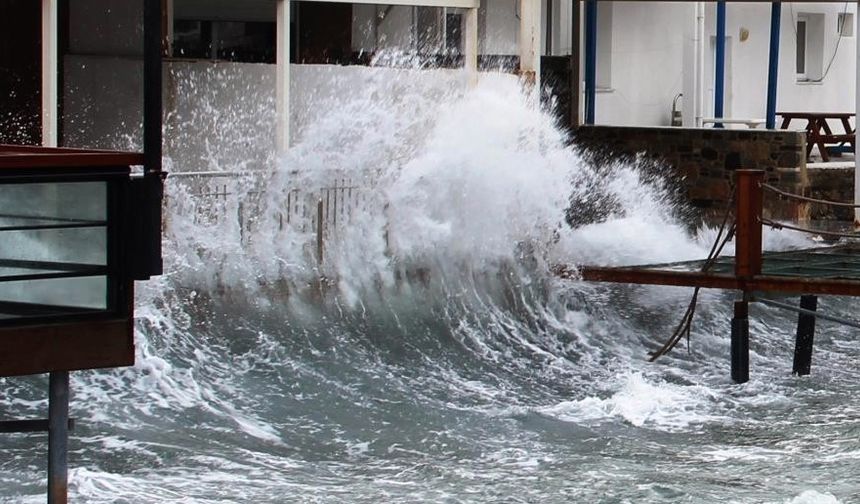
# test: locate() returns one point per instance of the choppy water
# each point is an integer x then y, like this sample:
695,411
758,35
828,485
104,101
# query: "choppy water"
444,363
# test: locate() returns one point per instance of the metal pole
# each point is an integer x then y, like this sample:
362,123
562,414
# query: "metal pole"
470,46
590,59
58,437
773,64
549,27
700,64
152,109
575,55
282,76
50,77
320,232
720,63
152,85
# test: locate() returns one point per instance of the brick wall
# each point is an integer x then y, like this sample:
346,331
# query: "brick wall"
703,160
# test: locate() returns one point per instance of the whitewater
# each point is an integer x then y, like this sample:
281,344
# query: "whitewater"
432,356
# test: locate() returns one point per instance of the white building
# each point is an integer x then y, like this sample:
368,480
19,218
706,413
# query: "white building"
648,54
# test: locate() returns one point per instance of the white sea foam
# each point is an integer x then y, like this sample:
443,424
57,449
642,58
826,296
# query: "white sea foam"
641,403
813,497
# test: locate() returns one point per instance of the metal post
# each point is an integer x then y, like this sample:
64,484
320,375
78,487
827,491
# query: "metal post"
549,27
741,342
590,59
282,76
805,335
320,231
58,437
50,77
748,207
152,108
773,64
530,42
470,46
575,55
720,63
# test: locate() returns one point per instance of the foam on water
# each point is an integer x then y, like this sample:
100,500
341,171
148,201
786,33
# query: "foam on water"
441,360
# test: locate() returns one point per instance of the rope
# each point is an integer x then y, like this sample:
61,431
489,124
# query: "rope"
777,225
807,198
683,328
804,311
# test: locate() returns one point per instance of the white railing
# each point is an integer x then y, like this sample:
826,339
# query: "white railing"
321,212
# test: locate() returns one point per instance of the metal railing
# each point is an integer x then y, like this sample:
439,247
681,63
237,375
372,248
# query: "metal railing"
322,211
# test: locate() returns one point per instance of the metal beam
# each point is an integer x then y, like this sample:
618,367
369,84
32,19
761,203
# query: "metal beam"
548,34
773,65
575,55
58,437
282,77
590,59
152,148
530,41
470,46
50,65
720,62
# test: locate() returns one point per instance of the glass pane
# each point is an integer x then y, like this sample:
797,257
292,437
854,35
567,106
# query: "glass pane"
86,293
53,248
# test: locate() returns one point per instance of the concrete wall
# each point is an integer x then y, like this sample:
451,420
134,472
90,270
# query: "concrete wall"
647,63
703,160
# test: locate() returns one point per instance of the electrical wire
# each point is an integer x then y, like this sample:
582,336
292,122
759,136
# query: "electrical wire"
835,49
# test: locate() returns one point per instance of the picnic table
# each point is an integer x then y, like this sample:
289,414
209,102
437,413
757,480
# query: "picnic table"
818,131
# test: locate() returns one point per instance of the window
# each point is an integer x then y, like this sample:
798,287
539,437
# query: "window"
252,42
453,33
801,49
809,47
845,24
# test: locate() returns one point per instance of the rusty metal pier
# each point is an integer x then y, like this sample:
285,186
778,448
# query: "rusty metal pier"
833,270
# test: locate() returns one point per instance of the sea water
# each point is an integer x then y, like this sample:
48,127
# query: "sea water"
439,359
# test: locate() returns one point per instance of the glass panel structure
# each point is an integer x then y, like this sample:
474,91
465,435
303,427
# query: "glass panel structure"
55,252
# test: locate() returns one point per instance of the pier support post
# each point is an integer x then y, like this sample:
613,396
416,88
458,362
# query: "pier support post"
741,343
805,335
58,437
748,201
748,209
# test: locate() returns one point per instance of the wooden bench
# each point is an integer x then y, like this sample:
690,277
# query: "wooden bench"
749,123
819,133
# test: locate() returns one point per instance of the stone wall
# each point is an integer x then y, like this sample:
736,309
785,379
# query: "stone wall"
703,160
831,184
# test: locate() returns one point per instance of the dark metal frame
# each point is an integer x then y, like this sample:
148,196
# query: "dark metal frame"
115,269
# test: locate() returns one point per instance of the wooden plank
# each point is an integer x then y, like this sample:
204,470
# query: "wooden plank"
66,347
